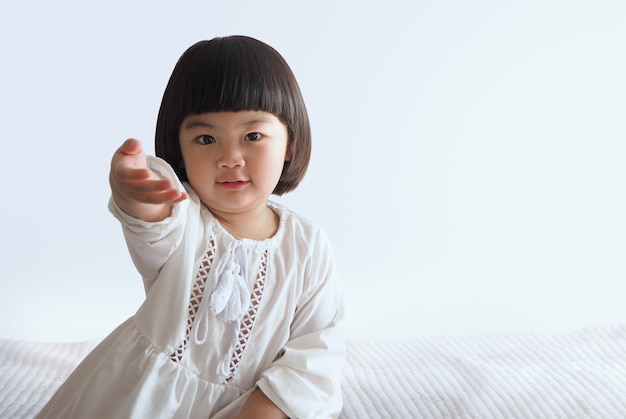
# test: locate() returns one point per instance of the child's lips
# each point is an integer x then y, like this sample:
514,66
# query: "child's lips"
233,185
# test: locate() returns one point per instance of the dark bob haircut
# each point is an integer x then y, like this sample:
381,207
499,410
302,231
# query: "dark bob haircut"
231,74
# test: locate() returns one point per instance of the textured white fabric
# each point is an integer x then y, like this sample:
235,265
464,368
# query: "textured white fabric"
574,374
151,366
560,375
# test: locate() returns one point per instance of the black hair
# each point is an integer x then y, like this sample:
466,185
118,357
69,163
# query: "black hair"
230,74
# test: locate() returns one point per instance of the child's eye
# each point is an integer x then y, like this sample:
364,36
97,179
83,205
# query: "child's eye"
205,139
253,136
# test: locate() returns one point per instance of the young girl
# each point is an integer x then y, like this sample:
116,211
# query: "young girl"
242,317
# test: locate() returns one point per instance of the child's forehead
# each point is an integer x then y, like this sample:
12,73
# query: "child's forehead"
242,119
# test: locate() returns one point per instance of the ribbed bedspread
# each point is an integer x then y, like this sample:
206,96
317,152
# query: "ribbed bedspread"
578,374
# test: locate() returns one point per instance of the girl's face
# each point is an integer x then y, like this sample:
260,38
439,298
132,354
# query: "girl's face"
233,160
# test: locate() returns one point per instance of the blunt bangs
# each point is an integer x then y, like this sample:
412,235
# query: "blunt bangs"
234,74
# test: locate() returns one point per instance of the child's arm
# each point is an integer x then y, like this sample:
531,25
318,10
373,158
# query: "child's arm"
137,190
305,380
259,406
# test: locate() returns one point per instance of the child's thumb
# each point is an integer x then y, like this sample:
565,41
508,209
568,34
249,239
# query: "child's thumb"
131,146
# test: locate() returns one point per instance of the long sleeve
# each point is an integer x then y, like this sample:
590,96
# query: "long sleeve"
150,244
304,381
165,254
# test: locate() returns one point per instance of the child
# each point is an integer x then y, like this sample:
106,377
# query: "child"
242,317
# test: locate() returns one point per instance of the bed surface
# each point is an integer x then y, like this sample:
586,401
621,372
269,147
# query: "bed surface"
577,374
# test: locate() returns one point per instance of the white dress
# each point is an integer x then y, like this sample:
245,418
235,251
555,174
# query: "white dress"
221,317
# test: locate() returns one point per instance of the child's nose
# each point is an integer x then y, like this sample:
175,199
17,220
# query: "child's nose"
231,156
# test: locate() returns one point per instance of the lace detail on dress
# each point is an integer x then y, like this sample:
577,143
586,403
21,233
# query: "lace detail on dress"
196,298
247,323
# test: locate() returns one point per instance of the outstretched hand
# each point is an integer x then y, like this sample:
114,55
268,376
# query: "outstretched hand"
137,189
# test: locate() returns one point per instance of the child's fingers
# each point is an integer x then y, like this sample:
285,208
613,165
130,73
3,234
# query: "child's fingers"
133,180
151,191
149,185
130,147
129,155
181,197
129,162
170,196
129,174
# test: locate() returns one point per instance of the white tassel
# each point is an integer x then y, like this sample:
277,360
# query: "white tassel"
230,297
223,291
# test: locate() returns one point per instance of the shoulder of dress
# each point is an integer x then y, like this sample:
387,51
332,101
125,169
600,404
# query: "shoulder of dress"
287,215
300,231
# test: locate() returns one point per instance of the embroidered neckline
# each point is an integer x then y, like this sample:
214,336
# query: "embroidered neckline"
260,245
202,298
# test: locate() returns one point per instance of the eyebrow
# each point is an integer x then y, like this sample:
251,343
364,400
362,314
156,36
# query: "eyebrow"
197,123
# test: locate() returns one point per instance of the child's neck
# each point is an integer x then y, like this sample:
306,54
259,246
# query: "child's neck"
258,226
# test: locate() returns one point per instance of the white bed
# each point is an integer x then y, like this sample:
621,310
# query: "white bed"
577,374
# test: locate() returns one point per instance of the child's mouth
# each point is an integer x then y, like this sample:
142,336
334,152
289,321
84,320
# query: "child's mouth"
233,185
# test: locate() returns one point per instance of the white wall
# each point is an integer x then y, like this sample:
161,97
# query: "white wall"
469,160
